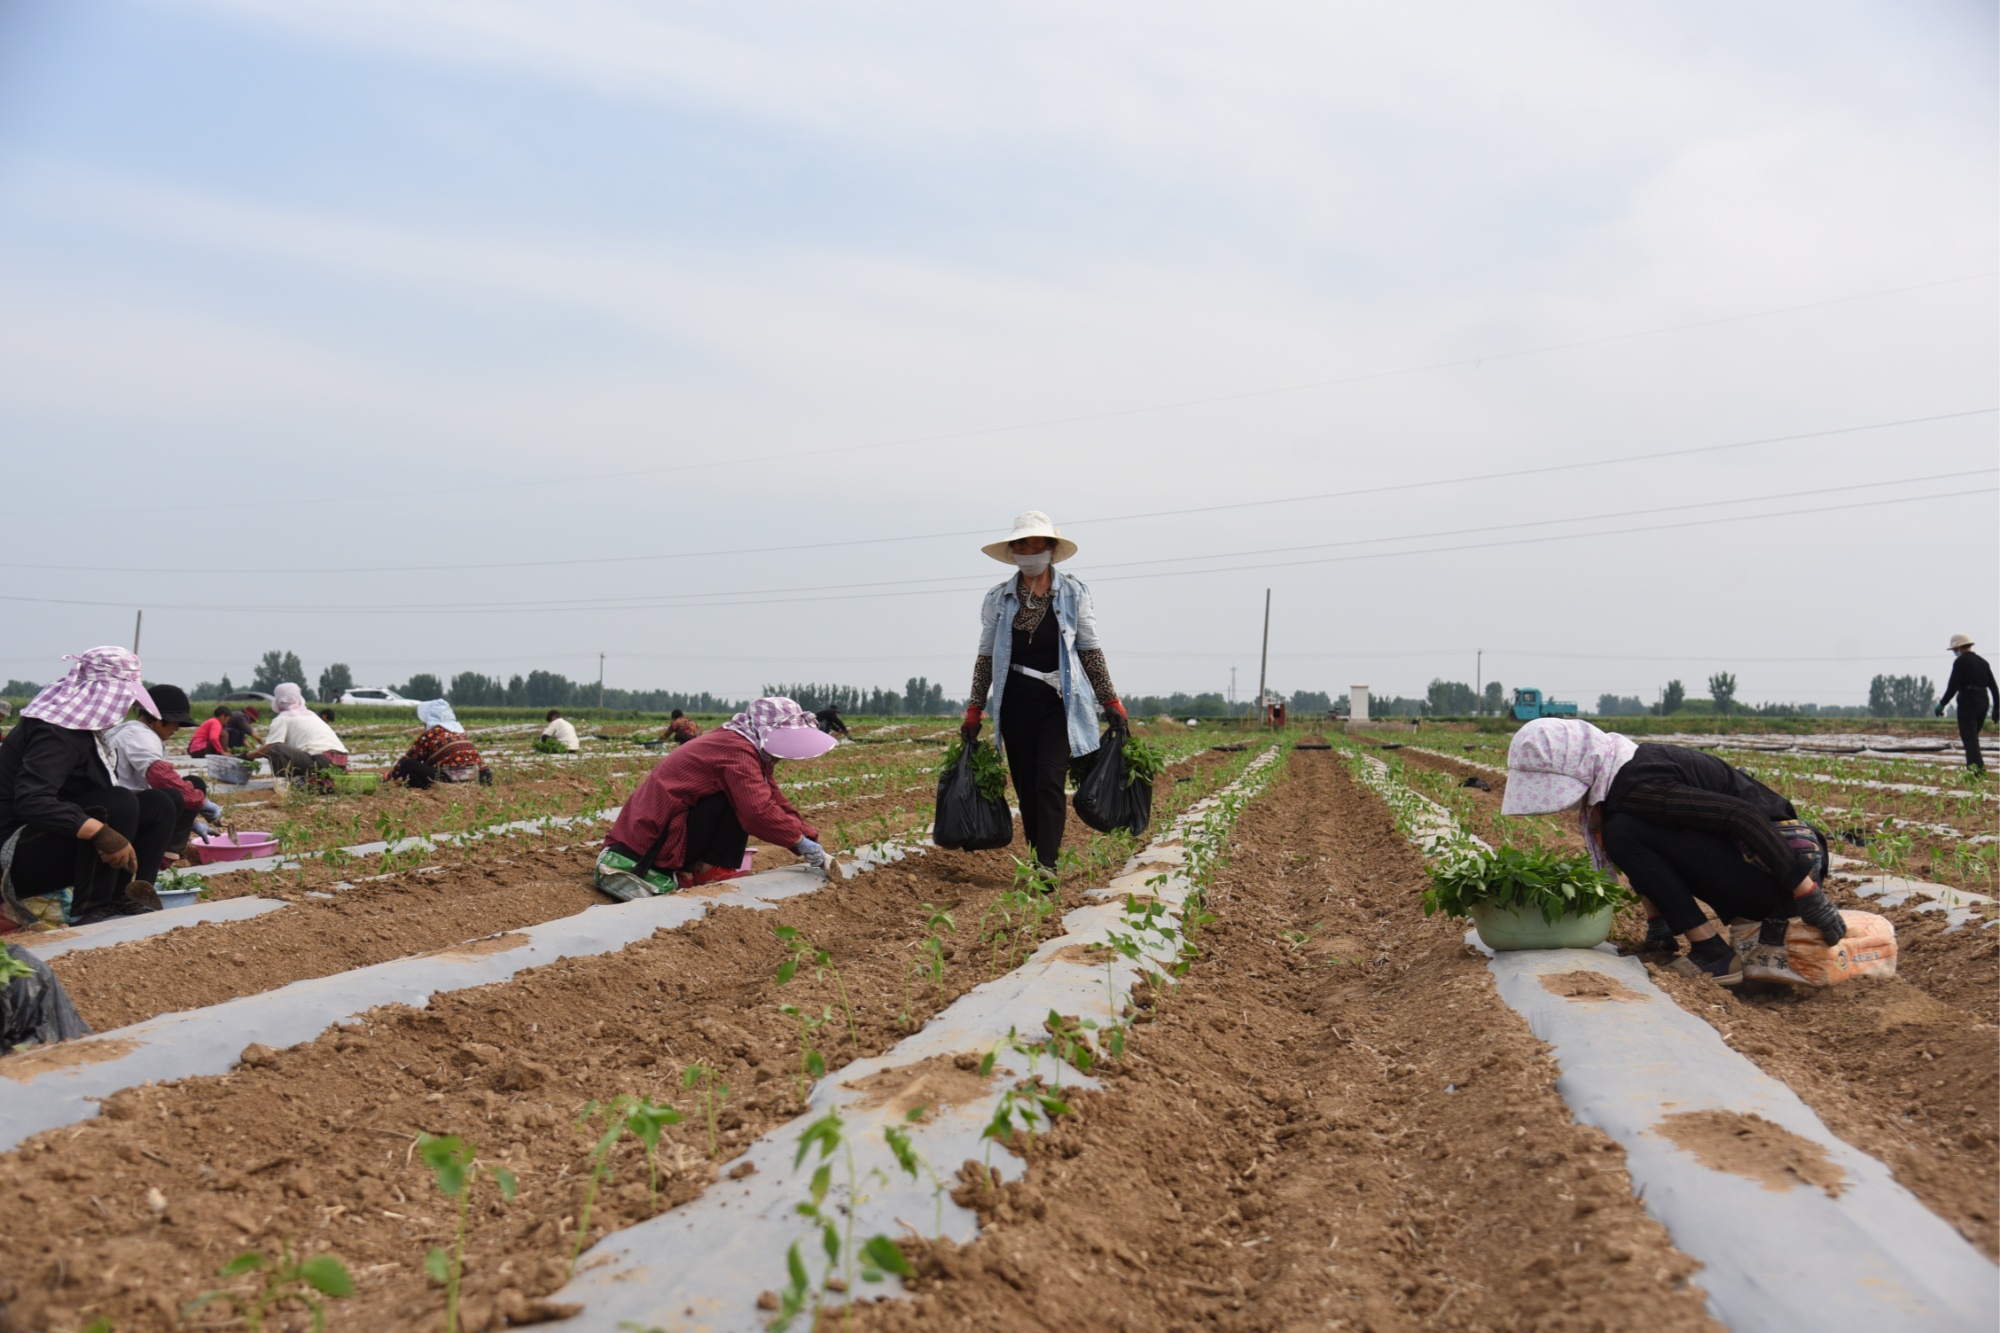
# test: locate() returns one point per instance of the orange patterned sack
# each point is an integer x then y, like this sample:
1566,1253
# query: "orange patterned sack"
1869,949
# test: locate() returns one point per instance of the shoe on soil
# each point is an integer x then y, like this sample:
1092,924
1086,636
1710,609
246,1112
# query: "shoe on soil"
1724,971
1768,962
1659,938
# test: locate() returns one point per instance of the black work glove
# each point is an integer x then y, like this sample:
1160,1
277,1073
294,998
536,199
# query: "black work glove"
1817,910
1938,711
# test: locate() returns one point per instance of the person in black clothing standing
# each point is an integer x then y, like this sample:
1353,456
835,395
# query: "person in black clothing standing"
1972,681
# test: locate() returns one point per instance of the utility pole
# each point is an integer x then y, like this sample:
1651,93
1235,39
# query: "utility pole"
1479,682
1264,663
1232,691
600,682
138,621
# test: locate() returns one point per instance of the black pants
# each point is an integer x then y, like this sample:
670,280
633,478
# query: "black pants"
1969,723
1672,867
50,862
715,837
1034,730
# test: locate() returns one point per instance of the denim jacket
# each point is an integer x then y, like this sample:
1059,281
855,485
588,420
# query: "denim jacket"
1077,618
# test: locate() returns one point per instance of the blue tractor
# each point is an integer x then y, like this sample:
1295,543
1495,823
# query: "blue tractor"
1529,705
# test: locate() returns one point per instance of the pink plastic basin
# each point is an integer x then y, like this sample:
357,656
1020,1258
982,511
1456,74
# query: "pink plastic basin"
231,847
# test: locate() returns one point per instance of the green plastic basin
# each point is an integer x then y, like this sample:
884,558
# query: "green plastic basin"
1511,928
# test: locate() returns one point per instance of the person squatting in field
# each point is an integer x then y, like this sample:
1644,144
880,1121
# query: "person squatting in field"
139,763
560,731
68,833
680,729
1972,681
691,820
441,752
1685,828
299,744
1038,632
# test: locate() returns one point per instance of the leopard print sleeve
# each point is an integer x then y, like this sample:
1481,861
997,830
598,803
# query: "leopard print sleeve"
982,680
1099,673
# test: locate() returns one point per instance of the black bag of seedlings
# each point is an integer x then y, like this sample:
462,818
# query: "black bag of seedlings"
972,813
35,1010
1111,795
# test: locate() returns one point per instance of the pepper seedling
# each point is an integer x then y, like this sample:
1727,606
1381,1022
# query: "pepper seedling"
455,1165
284,1278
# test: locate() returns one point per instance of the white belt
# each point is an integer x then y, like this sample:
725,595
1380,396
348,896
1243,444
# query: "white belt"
1052,679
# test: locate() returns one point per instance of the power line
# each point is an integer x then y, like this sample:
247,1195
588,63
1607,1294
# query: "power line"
1430,483
911,588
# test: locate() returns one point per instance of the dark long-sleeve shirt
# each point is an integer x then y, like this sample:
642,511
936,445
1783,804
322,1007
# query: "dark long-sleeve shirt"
1972,681
44,771
1683,788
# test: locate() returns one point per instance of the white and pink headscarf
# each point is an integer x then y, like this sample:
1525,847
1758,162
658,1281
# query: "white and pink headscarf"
780,728
1556,763
288,698
95,694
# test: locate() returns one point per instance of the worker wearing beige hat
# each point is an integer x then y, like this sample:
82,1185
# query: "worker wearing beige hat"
1972,681
1038,633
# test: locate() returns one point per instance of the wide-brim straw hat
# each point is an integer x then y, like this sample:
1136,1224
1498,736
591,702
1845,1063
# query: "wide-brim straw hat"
1034,523
1958,640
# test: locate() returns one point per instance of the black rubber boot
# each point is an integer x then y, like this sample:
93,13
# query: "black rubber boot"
1659,939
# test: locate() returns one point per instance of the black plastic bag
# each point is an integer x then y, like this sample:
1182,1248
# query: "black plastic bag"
35,1009
1105,799
967,819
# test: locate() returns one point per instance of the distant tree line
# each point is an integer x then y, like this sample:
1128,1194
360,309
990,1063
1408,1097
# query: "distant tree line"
919,698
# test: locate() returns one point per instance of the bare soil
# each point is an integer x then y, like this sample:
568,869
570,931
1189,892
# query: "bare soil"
1350,1133
135,1211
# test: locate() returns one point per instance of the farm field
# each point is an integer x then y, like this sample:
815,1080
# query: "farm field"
1331,1119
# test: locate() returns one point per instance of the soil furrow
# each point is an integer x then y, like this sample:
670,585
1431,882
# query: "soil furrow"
1334,1124
135,1211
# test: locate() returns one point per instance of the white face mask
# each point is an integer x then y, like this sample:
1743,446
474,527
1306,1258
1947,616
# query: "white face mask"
1032,564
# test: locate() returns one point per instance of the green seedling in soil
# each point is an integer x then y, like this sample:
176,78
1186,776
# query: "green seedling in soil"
1887,849
646,1121
711,1092
875,1256
284,1279
912,1161
613,1129
812,1065
455,1166
931,963
799,948
1026,1104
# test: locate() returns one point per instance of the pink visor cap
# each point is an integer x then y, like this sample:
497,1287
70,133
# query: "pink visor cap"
805,742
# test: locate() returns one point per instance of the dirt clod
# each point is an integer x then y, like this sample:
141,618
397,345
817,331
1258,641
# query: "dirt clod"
1753,1147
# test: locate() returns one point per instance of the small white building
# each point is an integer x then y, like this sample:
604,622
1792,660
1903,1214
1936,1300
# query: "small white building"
1357,703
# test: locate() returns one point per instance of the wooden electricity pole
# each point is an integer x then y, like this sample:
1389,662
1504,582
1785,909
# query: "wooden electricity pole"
600,682
138,622
1264,663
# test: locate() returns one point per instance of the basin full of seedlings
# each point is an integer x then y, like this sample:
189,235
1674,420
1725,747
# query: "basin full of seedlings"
1527,900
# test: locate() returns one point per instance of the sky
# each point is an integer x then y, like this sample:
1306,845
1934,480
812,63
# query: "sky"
1575,346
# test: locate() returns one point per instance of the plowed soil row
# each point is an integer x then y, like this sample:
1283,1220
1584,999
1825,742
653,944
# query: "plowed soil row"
471,892
134,1212
1334,1124
1907,1070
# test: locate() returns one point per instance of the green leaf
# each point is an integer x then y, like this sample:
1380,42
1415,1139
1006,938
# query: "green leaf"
438,1264
986,1065
247,1262
327,1275
882,1252
830,1241
797,1268
508,1185
815,1064
787,970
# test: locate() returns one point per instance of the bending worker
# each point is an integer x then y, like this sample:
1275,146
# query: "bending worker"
1972,681
1038,632
1685,829
690,821
561,731
441,753
139,762
65,829
299,744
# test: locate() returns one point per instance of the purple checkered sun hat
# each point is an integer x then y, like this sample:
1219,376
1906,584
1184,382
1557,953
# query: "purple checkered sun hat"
95,694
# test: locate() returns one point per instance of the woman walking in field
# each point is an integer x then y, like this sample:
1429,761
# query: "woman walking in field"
1038,633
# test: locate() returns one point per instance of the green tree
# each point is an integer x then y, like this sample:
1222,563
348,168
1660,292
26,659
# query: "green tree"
1722,689
1494,700
1450,698
276,668
423,685
335,681
921,698
1673,697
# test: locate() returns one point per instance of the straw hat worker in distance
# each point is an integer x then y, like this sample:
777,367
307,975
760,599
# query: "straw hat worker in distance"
1038,636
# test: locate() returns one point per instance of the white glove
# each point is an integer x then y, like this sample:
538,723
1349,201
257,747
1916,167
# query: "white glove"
814,855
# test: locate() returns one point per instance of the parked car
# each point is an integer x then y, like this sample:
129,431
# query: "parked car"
246,697
369,694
